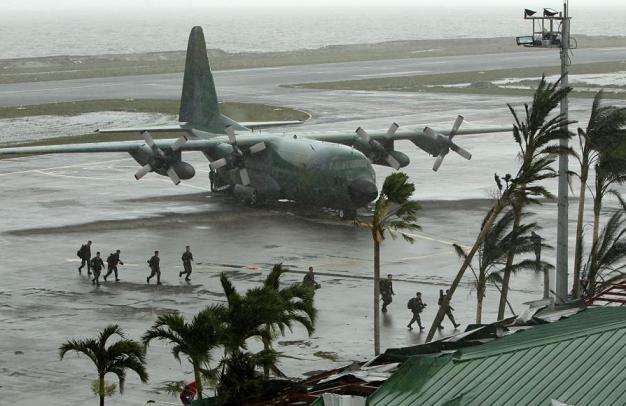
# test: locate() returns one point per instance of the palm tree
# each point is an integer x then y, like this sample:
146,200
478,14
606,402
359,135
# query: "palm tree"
118,357
294,304
535,136
393,213
245,317
608,254
604,124
493,253
195,339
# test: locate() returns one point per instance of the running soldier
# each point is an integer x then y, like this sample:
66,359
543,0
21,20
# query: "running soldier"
187,259
97,265
155,269
386,291
309,279
84,253
112,261
448,308
416,306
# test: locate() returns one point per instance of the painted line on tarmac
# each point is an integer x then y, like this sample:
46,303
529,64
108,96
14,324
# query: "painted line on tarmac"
425,237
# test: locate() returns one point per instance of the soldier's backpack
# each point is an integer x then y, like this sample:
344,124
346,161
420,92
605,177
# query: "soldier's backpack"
110,259
79,253
409,304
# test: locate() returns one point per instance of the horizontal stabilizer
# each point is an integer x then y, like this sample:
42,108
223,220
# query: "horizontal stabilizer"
165,128
255,125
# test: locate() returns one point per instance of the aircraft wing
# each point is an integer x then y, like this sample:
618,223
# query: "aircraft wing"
164,128
428,143
255,125
119,146
379,147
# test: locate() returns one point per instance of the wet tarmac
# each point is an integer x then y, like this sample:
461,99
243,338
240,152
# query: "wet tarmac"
52,204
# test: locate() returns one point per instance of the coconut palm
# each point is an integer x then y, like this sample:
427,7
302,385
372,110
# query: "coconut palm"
242,318
245,317
536,137
393,213
493,253
116,358
605,122
607,258
292,304
194,339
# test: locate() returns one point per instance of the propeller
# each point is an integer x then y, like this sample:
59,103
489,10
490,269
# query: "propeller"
378,148
161,161
446,144
238,156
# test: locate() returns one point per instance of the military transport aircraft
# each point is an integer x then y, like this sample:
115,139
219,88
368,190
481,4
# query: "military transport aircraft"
327,170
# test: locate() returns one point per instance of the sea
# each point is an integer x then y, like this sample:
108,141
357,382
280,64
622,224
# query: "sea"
51,32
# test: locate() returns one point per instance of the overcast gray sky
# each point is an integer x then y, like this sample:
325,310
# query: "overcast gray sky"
109,4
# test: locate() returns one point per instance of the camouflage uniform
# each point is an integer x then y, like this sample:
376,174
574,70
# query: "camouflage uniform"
187,259
155,269
97,265
386,291
112,261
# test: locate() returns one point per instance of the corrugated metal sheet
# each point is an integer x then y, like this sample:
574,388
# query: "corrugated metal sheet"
580,361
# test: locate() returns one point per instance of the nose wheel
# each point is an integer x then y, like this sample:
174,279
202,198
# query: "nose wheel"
347,214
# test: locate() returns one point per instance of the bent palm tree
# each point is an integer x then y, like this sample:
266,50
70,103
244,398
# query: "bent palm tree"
536,137
118,357
393,213
604,124
194,339
294,304
607,258
493,253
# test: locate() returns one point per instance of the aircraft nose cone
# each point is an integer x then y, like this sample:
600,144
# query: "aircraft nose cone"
362,191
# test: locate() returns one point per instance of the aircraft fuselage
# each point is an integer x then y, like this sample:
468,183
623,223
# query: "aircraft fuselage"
310,172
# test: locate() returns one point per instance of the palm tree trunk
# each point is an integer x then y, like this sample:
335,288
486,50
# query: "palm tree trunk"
584,174
198,378
101,389
266,347
480,292
509,264
591,278
376,296
457,279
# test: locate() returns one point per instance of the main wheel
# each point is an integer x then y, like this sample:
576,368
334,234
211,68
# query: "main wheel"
347,214
254,200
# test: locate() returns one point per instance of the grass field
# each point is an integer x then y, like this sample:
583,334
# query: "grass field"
480,81
236,111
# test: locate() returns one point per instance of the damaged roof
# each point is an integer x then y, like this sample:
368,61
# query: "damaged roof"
580,360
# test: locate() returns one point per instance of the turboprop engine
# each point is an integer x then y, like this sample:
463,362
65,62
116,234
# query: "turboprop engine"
382,153
166,162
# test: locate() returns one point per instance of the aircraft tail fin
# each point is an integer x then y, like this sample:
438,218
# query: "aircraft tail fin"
198,103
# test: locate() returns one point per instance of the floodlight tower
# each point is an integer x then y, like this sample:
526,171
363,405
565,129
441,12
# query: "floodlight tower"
550,37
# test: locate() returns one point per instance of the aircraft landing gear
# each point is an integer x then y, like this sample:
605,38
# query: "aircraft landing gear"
253,200
347,214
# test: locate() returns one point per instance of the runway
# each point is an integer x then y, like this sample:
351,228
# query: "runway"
52,204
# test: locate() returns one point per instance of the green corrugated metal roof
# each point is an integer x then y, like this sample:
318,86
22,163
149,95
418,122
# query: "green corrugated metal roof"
580,361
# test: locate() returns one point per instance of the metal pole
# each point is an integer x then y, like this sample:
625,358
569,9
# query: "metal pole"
562,231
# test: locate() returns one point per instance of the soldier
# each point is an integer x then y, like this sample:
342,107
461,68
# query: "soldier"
97,265
309,279
187,258
386,291
448,308
155,269
416,306
112,261
84,253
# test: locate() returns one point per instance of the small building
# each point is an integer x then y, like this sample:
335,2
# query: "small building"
580,360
